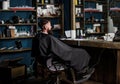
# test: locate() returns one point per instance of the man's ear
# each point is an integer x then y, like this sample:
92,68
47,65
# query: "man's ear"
46,26
43,27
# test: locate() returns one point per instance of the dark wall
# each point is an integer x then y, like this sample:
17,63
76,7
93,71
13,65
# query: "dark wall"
67,14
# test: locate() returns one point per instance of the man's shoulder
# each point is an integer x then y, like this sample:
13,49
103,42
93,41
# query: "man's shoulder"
42,35
37,35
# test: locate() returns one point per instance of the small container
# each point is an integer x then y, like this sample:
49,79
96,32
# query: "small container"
98,30
38,1
46,1
92,18
79,2
0,34
51,1
5,5
18,44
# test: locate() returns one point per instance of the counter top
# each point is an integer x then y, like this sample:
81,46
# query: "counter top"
93,43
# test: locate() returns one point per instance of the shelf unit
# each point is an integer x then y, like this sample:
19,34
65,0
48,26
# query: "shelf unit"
18,23
14,50
24,21
22,24
90,16
77,16
22,37
17,10
54,13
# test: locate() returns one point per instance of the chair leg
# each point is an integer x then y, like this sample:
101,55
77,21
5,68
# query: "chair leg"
64,78
58,80
73,75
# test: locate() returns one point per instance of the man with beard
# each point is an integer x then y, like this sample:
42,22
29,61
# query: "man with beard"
45,45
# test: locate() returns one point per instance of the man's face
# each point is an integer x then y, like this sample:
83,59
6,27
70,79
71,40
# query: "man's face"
48,26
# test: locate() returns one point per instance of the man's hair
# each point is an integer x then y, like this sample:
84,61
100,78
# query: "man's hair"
42,23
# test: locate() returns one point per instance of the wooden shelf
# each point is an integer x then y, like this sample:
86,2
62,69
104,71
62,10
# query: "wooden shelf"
15,50
21,37
90,0
96,33
78,5
40,4
95,22
115,9
94,1
118,0
56,29
22,24
92,11
115,16
79,17
49,17
17,10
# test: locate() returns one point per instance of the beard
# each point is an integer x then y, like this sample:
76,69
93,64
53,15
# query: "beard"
50,32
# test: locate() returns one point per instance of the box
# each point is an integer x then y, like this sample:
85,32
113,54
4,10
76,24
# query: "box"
12,32
12,72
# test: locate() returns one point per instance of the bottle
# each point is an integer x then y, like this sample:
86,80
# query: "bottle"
0,34
78,13
79,2
51,1
32,31
5,5
42,1
18,44
37,0
76,2
46,1
8,3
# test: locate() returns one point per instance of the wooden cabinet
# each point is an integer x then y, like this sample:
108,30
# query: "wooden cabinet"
89,17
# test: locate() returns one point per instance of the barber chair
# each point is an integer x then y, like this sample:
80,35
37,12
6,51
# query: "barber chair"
55,71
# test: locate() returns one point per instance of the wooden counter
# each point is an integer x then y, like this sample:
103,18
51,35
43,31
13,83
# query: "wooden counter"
94,43
113,62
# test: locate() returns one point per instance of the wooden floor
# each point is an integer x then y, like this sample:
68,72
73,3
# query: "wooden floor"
87,82
39,82
91,82
36,81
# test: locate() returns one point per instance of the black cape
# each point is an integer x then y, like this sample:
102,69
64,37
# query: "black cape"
45,45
